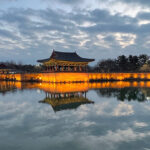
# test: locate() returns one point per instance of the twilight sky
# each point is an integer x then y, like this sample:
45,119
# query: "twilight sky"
31,29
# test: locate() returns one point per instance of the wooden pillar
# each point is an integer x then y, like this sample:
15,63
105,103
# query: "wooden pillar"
59,68
86,68
46,94
56,68
50,69
85,94
80,94
80,69
69,69
75,68
62,68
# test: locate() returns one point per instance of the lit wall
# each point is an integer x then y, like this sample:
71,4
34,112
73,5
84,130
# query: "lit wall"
74,77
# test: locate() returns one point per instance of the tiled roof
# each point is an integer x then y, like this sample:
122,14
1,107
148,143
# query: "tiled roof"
66,56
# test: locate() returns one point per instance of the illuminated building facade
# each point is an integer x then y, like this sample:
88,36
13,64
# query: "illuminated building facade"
65,62
4,69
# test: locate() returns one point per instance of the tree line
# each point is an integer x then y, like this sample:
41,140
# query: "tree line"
20,67
124,64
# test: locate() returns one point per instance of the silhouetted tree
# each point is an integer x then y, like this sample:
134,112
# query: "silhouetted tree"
123,64
108,65
133,63
142,59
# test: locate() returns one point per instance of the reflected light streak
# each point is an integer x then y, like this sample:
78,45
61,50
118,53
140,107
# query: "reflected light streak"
71,87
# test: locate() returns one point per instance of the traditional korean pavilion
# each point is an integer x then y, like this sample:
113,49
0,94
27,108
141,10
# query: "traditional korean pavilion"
65,61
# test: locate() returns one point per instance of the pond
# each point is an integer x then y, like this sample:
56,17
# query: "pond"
75,116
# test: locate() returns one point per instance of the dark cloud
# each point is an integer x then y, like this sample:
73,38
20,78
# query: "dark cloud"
144,16
32,34
70,1
66,2
98,28
8,0
141,2
8,34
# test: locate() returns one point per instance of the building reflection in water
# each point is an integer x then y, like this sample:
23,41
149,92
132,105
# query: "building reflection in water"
63,101
62,96
7,87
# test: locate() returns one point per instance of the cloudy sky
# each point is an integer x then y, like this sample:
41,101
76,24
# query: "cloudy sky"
30,30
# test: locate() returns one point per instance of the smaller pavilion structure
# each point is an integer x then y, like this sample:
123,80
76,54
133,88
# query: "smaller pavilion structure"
4,69
65,62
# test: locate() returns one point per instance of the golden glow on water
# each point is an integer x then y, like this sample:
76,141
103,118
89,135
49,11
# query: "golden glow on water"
72,87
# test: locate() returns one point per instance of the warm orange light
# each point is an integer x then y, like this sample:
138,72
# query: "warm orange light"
142,76
73,77
73,87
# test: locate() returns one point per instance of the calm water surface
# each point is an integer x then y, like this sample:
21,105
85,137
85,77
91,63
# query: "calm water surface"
106,116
